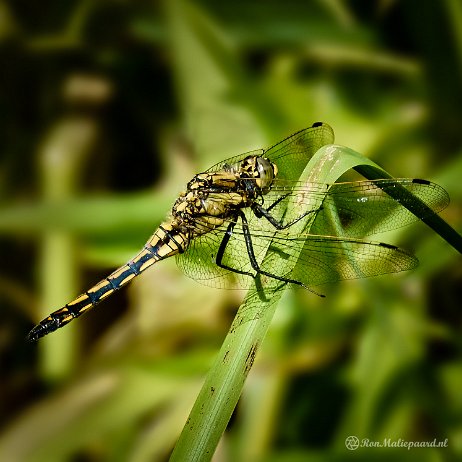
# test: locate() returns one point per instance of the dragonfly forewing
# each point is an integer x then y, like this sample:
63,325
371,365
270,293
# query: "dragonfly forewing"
372,207
362,208
292,154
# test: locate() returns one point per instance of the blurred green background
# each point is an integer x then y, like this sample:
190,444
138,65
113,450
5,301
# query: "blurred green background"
106,110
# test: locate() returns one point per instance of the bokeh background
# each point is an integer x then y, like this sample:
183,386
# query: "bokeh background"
106,110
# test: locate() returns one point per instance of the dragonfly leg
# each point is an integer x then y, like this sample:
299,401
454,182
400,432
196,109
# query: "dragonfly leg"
276,202
253,260
261,211
251,254
222,248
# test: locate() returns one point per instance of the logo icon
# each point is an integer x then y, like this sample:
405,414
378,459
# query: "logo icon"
352,443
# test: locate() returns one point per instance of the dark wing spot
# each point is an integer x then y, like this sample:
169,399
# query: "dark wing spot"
388,246
418,181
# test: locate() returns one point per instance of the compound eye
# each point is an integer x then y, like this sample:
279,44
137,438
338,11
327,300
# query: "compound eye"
266,172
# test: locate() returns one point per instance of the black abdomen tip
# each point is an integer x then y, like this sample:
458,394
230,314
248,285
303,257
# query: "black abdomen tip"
35,333
42,329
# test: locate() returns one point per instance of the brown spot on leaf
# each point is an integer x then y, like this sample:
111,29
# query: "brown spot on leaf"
250,358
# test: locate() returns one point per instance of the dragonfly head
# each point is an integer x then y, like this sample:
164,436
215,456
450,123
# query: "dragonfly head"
261,169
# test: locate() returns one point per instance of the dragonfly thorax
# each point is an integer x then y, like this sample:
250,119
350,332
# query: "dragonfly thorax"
213,197
208,200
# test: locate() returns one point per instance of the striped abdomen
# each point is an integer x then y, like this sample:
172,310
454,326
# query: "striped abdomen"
164,243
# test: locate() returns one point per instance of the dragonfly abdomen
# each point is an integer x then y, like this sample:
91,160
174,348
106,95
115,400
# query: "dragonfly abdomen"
165,242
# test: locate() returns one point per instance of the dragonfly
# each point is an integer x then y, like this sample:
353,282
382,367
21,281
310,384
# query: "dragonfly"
234,216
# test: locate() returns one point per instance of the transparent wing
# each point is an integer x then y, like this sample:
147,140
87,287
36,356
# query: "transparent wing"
360,208
315,259
291,154
326,259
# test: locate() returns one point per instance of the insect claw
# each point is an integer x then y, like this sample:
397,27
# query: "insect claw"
312,291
